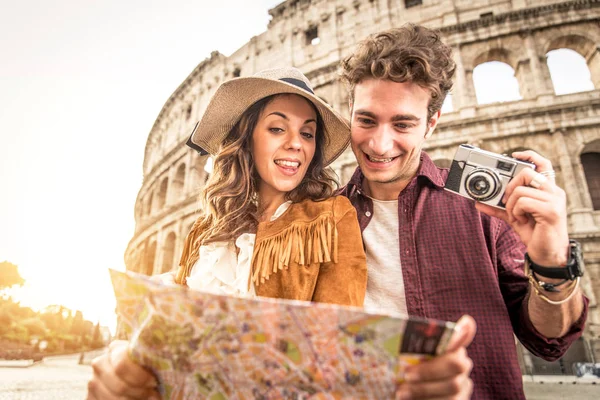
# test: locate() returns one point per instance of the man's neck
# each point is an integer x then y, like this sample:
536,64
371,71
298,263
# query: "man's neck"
384,191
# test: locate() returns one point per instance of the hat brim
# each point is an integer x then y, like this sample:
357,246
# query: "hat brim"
235,96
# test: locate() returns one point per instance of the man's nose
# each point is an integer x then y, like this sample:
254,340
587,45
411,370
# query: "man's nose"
382,141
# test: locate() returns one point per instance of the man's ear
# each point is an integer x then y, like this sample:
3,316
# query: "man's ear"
432,124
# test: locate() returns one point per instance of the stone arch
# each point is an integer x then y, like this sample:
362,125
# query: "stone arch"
149,257
498,54
161,196
495,81
494,76
590,161
575,42
168,263
584,45
578,52
178,184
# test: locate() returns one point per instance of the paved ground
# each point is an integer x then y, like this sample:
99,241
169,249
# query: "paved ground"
61,378
555,391
52,379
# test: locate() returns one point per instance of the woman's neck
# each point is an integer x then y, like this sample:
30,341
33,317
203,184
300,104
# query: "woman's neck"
268,204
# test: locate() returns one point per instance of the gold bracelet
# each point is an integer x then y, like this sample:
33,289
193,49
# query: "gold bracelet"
538,291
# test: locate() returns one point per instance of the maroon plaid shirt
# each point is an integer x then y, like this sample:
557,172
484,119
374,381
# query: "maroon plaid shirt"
455,261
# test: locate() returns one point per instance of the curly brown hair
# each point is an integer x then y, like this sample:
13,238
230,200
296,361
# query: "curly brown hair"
230,196
411,53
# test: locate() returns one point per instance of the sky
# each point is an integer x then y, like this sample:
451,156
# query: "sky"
81,84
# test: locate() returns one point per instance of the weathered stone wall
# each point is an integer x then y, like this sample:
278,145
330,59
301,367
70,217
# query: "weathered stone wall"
519,33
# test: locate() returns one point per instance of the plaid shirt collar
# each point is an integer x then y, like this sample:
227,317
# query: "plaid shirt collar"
427,170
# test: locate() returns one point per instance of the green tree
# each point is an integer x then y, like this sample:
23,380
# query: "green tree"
77,324
9,275
34,326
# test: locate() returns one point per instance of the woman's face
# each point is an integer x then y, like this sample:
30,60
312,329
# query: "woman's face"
284,143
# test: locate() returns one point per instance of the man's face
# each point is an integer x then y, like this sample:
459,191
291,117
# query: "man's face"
389,124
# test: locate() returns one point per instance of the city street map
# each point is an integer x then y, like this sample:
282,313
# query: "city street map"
207,346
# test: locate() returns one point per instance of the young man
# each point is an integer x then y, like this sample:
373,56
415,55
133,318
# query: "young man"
435,254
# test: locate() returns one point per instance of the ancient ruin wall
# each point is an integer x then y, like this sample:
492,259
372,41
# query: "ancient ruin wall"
314,35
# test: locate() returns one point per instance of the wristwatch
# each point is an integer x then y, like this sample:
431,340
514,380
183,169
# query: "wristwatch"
570,272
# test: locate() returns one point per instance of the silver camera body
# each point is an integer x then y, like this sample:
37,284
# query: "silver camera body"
482,175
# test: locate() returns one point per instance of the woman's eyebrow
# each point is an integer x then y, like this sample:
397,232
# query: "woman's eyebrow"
282,115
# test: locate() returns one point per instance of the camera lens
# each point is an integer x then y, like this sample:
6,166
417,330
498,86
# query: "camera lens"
482,184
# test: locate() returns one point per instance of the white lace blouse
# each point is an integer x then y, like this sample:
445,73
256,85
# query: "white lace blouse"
221,269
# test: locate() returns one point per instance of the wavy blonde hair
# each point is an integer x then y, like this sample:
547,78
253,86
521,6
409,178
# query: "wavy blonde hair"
229,199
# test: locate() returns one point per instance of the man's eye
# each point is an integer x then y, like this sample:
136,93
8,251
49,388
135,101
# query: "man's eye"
365,121
403,126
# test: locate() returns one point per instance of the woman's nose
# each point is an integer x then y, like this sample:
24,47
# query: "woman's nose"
293,141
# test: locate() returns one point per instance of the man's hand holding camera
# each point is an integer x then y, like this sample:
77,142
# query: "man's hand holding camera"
536,210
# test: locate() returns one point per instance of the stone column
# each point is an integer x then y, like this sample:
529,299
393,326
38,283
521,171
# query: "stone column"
158,255
463,92
593,62
542,81
581,218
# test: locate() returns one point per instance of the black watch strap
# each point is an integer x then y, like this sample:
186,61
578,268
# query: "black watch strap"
571,271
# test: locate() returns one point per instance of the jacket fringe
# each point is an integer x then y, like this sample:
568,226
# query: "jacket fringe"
304,243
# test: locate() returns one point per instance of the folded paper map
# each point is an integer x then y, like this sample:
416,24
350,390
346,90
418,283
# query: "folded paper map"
207,346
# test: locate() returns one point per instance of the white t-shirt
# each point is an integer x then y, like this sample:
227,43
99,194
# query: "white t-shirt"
385,283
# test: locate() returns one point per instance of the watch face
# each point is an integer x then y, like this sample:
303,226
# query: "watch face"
577,256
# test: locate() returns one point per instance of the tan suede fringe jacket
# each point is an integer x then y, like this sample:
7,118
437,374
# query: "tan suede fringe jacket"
312,252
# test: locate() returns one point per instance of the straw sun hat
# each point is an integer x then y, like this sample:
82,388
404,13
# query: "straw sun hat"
235,96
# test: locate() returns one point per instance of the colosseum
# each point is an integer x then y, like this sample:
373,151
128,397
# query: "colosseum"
519,35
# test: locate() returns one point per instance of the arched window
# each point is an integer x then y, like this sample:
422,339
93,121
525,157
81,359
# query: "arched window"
178,183
149,256
569,72
208,166
168,252
198,174
162,194
447,106
590,161
495,81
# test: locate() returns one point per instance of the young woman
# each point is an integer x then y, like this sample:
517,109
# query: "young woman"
269,225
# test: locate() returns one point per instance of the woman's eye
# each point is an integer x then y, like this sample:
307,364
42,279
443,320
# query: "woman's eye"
308,135
275,130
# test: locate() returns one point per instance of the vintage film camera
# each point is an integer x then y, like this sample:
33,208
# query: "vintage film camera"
482,175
